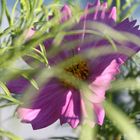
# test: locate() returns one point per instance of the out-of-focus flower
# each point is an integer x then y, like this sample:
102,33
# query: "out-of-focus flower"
60,99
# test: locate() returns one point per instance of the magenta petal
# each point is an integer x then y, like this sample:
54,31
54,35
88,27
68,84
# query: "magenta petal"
45,117
18,85
40,118
99,113
48,44
49,92
48,103
129,26
71,111
60,53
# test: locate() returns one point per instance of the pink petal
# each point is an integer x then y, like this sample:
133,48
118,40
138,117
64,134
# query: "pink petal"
71,111
99,113
102,82
27,114
113,14
103,12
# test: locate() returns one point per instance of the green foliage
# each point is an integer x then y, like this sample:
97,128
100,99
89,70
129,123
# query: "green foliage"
9,135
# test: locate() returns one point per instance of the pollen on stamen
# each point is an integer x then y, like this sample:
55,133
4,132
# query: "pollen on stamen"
79,71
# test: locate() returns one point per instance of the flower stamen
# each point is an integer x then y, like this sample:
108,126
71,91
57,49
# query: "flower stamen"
79,70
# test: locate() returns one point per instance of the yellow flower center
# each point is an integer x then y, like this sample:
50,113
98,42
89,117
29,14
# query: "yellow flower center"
79,70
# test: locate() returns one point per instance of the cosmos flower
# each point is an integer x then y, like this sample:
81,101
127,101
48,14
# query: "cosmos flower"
59,99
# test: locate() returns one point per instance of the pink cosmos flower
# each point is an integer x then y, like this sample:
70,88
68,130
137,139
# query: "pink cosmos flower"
59,99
